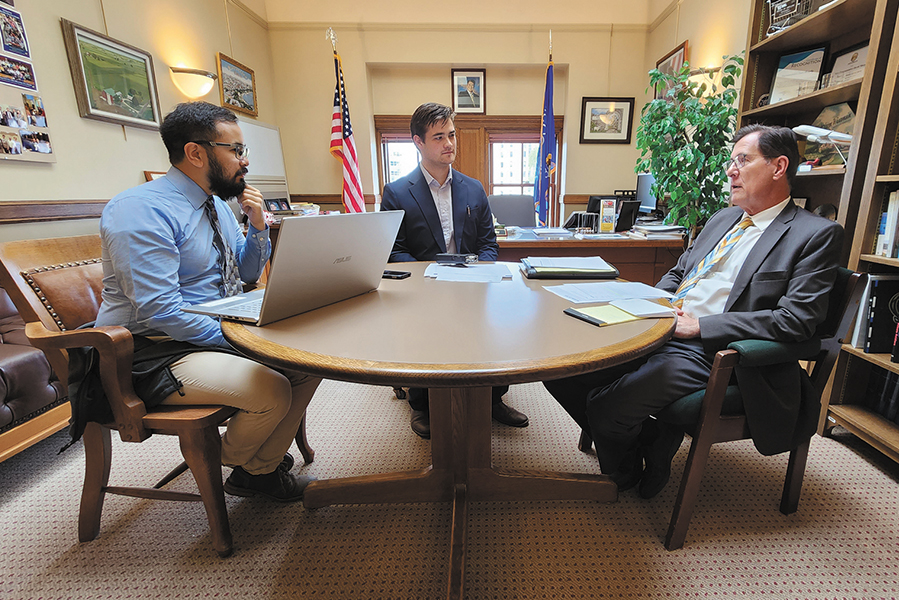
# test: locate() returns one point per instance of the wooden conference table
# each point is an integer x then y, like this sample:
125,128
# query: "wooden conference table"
458,339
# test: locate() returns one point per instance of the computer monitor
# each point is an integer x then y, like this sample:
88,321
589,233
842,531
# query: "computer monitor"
644,193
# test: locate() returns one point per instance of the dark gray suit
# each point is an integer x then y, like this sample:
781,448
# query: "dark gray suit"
781,294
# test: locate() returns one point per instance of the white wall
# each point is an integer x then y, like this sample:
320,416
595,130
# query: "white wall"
96,160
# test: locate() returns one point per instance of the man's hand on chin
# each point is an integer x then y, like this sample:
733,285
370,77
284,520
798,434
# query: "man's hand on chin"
251,204
687,327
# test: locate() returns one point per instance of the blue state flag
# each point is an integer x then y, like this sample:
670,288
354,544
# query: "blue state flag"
546,160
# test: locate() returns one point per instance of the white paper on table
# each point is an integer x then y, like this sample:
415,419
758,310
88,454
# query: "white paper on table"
643,308
605,291
569,262
478,272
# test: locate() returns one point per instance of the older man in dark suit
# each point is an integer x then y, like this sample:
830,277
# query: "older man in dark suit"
761,269
445,212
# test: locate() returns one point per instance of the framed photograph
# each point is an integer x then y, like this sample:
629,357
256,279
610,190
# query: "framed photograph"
273,205
671,63
17,73
797,74
607,120
151,175
237,85
848,66
12,30
114,82
469,91
34,110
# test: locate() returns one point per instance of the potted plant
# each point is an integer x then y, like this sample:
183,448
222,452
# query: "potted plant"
683,137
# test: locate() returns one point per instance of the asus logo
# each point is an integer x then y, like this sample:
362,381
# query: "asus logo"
341,259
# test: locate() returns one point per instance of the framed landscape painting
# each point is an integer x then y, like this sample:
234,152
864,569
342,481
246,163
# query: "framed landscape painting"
671,63
114,82
237,85
606,120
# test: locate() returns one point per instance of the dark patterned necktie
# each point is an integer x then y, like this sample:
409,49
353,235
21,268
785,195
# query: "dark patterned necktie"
227,262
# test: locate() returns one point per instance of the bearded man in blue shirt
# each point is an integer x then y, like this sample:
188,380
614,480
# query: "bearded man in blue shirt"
174,242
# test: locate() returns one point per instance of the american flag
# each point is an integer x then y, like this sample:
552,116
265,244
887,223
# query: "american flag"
343,145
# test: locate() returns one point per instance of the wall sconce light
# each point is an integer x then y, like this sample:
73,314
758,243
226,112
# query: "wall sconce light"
193,83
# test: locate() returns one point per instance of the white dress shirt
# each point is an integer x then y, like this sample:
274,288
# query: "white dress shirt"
709,295
443,200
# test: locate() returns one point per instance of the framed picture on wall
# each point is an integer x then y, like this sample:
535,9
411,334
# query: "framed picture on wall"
606,120
469,91
237,85
151,175
671,63
114,82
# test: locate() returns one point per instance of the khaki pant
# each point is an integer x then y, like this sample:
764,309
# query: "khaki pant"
271,405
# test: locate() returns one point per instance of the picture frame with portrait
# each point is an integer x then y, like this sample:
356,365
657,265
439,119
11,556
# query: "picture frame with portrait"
606,120
469,91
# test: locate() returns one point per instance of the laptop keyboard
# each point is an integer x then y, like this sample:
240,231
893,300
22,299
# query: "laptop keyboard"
248,309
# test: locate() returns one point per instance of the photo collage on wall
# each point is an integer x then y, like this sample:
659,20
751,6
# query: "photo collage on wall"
24,132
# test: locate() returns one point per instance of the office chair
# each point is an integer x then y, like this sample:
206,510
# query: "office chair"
715,414
514,210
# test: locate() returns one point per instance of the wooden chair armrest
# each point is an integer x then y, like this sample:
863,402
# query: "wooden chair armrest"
116,349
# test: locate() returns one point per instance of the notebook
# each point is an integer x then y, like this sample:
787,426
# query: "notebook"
318,261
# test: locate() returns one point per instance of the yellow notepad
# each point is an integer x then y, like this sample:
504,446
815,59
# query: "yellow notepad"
603,315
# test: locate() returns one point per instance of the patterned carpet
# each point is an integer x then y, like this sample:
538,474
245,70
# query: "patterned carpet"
840,544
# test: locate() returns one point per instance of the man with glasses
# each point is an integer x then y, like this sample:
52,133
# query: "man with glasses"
760,269
173,242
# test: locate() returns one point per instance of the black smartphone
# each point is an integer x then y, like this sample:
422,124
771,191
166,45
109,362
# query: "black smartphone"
396,274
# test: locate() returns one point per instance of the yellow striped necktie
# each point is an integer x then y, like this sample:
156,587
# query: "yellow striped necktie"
704,266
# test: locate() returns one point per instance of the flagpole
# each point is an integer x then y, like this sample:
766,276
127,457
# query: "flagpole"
552,218
330,35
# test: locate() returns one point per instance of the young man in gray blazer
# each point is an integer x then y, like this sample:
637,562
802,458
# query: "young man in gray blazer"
771,281
446,211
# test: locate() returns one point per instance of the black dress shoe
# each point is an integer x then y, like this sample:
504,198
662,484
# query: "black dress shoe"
658,456
278,485
630,471
286,462
421,424
507,415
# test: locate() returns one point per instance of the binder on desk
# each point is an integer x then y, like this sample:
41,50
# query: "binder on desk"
567,269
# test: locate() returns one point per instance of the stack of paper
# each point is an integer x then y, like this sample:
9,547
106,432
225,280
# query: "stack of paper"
567,267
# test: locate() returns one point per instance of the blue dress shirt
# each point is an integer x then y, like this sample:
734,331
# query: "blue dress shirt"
158,256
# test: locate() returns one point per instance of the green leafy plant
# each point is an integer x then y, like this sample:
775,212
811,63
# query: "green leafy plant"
684,136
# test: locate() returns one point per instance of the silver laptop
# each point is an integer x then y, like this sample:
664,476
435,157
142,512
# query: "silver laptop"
318,261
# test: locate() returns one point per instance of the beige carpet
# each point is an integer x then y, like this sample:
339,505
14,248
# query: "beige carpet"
843,542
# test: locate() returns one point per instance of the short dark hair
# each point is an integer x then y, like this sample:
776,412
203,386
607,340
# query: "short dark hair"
428,114
192,122
774,141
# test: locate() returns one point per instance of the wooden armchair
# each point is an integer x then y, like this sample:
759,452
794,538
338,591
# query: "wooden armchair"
716,414
56,286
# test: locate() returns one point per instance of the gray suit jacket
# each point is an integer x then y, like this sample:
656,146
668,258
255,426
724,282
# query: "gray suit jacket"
781,294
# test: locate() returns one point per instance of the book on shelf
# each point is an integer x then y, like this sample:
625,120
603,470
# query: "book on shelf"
883,313
887,240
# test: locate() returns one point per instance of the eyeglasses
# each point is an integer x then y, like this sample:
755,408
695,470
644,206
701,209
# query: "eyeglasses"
738,162
240,151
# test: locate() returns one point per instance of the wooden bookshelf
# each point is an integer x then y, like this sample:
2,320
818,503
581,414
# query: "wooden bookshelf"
870,173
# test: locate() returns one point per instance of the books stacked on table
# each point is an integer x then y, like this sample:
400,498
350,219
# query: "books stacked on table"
657,232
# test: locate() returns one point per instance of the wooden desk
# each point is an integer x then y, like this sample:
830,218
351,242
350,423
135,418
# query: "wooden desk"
458,339
636,260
